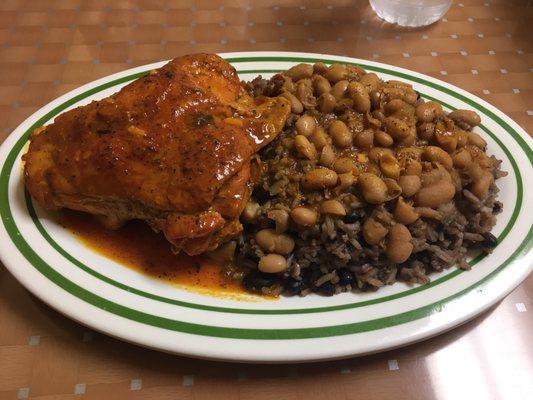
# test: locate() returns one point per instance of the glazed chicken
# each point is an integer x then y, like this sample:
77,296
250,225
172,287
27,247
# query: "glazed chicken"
176,148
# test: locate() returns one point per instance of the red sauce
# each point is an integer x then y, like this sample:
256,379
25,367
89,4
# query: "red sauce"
138,247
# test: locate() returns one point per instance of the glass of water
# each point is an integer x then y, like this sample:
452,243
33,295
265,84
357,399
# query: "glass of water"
411,12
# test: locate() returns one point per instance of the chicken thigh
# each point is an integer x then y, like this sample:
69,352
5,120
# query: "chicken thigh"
175,148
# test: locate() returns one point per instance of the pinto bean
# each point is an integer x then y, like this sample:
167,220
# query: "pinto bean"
406,94
361,102
462,159
446,140
340,134
346,180
304,216
383,139
399,84
371,122
373,188
393,189
273,242
389,166
319,178
321,85
398,106
320,68
376,97
434,175
413,167
475,171
410,139
427,212
373,169
284,245
410,184
462,137
409,153
300,71
397,128
305,125
339,89
399,244
436,154
319,137
429,111
436,194
327,156
360,97
333,207
426,130
326,103
476,140
344,164
481,186
404,212
296,105
377,152
304,147
374,231
364,139
465,119
370,81
272,263
336,72
304,93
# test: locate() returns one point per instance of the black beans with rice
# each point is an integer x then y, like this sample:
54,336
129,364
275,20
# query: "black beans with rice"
367,185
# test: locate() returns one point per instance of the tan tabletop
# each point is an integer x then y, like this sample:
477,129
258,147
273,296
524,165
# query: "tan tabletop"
48,47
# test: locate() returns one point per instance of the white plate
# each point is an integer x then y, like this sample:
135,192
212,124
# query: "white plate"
116,300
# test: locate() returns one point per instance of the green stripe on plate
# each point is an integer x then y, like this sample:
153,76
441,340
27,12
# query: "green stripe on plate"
138,316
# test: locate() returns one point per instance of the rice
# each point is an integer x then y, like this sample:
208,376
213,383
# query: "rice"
332,256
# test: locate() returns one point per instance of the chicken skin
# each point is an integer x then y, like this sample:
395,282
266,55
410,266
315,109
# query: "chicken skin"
175,148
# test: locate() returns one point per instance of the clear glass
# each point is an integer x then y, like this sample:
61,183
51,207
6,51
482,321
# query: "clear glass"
411,12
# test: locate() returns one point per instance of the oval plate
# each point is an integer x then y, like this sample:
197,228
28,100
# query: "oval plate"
118,301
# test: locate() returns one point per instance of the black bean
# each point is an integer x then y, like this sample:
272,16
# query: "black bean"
327,289
346,277
311,275
351,248
254,257
261,195
293,286
490,240
351,217
497,208
254,281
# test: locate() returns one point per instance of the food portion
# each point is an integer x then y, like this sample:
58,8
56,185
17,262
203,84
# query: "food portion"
175,148
342,181
367,184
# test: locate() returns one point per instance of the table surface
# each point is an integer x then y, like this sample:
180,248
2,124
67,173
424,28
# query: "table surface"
48,47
